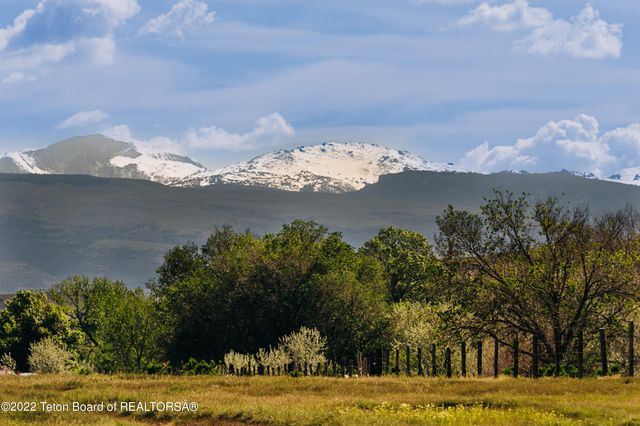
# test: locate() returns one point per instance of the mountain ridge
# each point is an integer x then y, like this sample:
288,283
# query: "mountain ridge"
328,167
54,226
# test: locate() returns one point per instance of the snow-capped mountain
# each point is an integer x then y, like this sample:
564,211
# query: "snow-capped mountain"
630,176
101,156
329,167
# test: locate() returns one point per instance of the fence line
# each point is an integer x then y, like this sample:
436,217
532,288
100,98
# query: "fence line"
381,362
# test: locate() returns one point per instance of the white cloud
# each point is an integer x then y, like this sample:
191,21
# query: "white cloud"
183,16
509,16
19,24
120,132
82,29
269,130
116,12
83,118
625,144
567,144
583,36
18,77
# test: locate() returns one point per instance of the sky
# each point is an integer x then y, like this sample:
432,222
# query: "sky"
491,86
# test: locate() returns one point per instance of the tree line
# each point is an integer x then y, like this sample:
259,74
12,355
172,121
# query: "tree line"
536,267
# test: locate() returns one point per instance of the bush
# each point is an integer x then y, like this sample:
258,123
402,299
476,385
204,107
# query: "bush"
156,367
305,348
48,357
84,368
7,361
195,367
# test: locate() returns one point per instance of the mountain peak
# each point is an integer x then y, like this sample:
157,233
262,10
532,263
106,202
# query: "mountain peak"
102,156
327,167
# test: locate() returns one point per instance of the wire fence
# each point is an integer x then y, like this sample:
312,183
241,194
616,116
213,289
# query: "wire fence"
597,353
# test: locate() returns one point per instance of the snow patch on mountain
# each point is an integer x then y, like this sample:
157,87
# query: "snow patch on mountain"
159,166
329,167
25,160
630,176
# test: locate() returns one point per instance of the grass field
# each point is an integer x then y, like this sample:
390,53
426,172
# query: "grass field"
318,400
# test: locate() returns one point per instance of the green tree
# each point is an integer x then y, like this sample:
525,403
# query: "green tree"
243,292
410,266
131,330
121,325
542,268
28,318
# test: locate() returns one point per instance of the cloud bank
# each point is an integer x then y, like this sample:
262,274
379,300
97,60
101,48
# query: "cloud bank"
56,30
559,143
269,130
585,35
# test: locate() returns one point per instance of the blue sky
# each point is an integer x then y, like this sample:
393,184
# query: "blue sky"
495,85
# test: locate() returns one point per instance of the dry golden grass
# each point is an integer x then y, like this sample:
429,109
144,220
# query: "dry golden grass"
318,400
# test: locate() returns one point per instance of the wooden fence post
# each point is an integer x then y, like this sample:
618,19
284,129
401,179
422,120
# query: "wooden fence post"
420,371
463,356
516,356
581,353
447,361
388,359
534,360
603,352
631,351
556,355
434,365
479,354
408,360
496,354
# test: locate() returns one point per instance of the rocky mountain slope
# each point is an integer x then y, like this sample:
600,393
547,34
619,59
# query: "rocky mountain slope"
100,156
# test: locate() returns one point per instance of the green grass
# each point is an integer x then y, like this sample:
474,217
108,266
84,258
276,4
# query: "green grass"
315,401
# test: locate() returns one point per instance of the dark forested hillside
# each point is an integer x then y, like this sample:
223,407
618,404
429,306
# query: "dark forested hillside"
55,226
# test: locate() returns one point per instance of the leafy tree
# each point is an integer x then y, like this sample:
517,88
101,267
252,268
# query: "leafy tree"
86,301
410,266
542,268
130,330
28,318
120,325
244,292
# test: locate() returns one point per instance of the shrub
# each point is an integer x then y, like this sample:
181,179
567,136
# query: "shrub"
195,367
273,358
305,347
84,368
7,361
48,357
235,362
156,367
